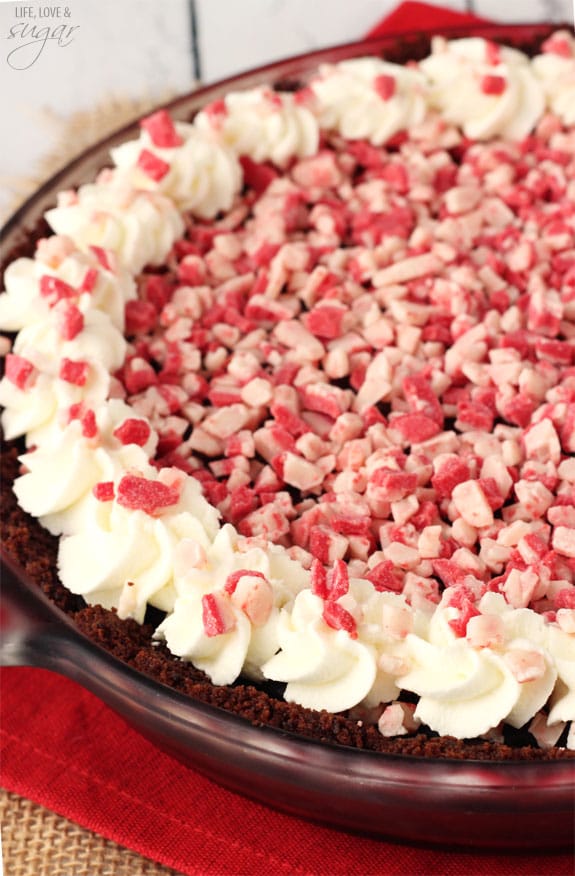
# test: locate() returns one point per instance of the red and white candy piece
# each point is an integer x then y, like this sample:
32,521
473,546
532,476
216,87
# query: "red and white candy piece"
19,371
152,165
75,371
133,430
252,593
161,130
218,616
142,494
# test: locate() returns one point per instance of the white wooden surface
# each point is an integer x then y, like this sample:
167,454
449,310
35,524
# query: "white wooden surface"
235,35
525,10
238,34
134,48
121,47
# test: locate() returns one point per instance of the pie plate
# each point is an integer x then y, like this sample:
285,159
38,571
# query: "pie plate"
498,805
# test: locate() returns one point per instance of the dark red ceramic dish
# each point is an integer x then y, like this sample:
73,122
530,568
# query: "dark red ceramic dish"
506,805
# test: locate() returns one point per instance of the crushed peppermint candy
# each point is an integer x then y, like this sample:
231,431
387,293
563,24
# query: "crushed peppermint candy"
217,614
133,431
358,436
141,494
161,129
104,491
19,370
55,289
74,371
369,361
152,165
492,84
71,321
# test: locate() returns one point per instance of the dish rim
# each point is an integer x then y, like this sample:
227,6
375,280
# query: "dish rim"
289,65
186,105
54,627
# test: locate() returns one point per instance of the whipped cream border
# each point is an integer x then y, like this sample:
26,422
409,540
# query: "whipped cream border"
135,219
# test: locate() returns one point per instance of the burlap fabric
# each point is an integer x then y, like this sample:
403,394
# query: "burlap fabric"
36,842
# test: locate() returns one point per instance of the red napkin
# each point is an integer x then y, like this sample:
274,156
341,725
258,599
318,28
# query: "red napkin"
413,15
62,748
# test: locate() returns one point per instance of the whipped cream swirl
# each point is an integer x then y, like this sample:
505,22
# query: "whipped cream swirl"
124,557
140,227
99,283
262,124
367,98
562,700
324,668
252,638
465,690
488,90
202,175
41,406
60,475
99,341
555,69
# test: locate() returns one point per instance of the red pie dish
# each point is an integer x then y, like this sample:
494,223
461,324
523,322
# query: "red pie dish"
434,481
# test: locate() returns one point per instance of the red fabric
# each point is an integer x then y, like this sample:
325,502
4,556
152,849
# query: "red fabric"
412,15
64,749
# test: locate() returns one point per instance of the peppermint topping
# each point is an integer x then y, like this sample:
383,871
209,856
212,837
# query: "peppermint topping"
338,580
18,370
216,109
141,494
104,257
141,316
104,491
234,577
71,322
76,411
492,53
492,84
89,281
55,289
565,598
217,614
73,371
253,594
338,618
257,175
89,425
558,44
397,720
465,605
385,86
133,431
161,129
152,165
319,579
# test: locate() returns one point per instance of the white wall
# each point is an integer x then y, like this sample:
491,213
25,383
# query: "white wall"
121,47
235,35
137,48
526,10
